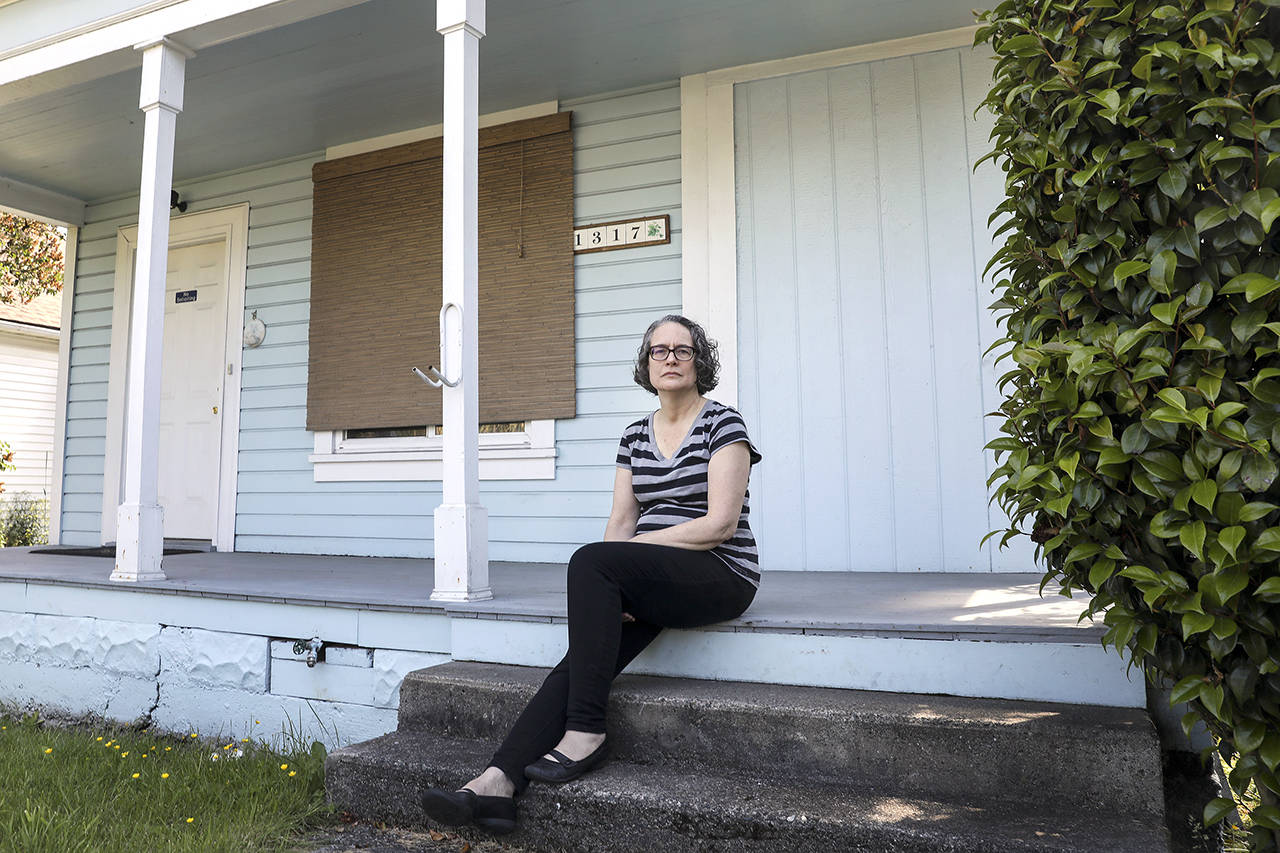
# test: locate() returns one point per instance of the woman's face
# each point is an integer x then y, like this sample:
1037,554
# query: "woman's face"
671,374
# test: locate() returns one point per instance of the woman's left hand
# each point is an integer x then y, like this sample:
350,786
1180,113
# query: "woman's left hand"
627,617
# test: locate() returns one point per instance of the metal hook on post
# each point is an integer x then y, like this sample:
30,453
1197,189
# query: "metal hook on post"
450,349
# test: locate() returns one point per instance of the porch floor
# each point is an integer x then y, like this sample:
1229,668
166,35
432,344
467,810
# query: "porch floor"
970,606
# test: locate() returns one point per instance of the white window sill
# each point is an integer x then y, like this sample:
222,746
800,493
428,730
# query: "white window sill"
530,455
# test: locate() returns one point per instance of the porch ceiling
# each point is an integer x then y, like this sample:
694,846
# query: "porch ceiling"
376,68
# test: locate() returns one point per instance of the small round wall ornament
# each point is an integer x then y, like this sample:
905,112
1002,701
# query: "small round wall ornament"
255,331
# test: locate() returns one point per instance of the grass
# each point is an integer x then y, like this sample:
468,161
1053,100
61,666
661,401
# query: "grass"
67,790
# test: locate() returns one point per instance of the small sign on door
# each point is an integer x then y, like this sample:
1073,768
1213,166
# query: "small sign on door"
184,296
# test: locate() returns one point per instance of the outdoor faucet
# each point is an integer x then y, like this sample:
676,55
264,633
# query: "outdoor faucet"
312,647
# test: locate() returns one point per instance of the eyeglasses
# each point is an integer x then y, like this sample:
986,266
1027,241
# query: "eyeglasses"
660,353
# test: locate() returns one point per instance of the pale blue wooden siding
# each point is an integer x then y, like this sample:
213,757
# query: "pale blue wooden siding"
862,315
627,162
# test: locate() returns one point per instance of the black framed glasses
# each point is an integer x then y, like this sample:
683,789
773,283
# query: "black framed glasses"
660,353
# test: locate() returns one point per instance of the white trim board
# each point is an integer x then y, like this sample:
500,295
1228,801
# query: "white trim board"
708,194
70,251
417,134
28,330
106,45
35,202
230,224
527,455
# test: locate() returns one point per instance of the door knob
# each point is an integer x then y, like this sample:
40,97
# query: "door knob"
215,410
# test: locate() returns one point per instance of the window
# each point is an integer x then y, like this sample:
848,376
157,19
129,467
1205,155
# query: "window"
524,450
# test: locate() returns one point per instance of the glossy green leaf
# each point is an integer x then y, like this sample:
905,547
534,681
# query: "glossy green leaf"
1217,809
1129,269
1186,689
1204,493
1192,537
1163,267
1161,464
1258,472
1255,510
1270,751
1268,540
1230,538
1269,590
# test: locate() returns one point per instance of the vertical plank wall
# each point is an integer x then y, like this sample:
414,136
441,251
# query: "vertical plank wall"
862,315
29,377
627,162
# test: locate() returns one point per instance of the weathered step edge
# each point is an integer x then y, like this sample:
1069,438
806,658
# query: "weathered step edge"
636,809
1096,758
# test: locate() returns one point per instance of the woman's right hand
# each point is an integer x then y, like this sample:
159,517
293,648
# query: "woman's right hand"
627,617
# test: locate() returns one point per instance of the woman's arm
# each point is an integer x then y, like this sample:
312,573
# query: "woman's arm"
727,475
626,509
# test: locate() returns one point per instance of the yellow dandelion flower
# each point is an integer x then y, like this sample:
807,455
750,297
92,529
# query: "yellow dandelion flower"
117,746
48,751
244,740
99,738
191,820
168,749
293,772
144,755
164,775
124,754
256,723
228,746
136,775
284,766
193,734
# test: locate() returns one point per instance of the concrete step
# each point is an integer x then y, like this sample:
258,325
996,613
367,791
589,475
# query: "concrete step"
1103,760
635,808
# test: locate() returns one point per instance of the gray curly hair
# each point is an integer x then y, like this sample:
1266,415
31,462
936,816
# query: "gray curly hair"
706,355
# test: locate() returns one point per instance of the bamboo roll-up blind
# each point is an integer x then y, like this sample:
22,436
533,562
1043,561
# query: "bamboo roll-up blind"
375,280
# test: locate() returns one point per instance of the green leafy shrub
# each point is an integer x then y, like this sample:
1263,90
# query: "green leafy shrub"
24,520
1140,303
6,460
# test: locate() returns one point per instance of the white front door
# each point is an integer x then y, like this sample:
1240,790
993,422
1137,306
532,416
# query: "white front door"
191,389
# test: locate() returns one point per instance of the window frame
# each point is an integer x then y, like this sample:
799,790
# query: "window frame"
527,455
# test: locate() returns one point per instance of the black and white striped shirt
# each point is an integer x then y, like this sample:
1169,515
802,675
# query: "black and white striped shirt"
674,490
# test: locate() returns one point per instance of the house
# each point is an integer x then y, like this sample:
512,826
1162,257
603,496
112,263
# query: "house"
29,376
243,321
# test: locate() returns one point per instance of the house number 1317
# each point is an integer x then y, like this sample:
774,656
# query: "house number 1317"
625,233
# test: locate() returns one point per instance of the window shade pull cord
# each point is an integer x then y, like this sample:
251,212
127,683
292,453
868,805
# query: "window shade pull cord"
450,349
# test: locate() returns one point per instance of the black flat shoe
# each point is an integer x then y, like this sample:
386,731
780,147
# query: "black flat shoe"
565,769
459,808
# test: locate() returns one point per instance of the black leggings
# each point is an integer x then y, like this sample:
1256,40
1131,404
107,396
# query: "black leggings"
662,587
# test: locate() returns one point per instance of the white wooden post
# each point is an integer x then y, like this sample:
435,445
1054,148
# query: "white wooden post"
461,523
140,520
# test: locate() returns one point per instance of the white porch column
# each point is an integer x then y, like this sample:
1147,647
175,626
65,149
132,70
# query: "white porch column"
140,520
461,523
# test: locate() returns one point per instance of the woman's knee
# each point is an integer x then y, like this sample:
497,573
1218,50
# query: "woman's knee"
588,560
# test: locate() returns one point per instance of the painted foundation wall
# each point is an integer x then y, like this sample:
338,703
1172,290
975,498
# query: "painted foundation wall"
626,162
213,683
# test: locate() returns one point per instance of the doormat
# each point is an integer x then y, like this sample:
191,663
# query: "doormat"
103,551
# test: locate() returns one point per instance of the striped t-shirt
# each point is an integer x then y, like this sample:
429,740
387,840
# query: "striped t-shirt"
672,491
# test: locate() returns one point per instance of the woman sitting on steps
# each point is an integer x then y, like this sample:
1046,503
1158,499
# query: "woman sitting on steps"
677,553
